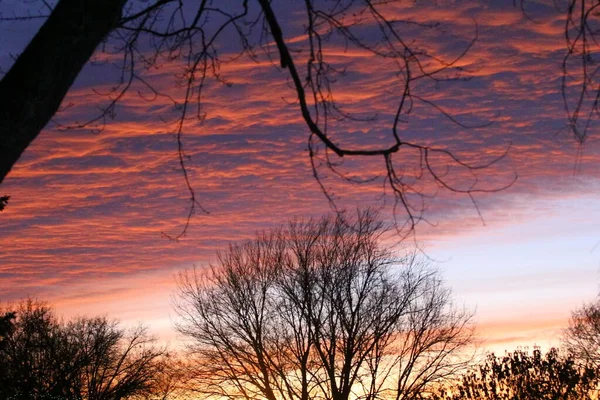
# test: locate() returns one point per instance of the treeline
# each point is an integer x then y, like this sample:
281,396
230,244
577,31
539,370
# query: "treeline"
519,375
314,310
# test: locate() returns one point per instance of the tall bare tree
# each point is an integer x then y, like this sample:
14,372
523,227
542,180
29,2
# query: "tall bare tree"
320,309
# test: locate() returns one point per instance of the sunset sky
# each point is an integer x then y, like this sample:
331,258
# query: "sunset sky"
84,226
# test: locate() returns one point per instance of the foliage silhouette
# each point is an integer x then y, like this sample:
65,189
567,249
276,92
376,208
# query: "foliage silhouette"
85,359
523,376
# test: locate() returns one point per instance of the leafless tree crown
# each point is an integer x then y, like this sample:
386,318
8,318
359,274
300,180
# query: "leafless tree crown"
319,310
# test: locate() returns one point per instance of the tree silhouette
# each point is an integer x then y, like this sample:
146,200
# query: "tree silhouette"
36,84
37,359
146,34
7,325
85,359
320,309
582,336
523,376
3,202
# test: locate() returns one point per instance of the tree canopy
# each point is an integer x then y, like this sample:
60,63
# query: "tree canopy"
524,376
320,309
84,359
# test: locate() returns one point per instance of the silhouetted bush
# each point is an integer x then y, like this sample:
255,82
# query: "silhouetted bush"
523,376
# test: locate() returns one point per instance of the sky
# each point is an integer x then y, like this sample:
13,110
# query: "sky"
89,209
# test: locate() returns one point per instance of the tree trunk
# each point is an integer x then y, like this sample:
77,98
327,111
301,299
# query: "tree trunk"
31,92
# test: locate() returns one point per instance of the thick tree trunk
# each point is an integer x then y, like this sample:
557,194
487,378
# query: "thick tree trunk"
31,92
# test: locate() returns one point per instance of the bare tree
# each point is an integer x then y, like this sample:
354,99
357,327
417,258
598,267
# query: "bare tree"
582,336
86,359
146,34
320,309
